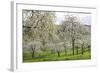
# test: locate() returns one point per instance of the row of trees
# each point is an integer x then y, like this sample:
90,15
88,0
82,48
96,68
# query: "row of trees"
41,33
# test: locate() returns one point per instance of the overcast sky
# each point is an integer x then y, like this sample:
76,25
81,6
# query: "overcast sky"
84,18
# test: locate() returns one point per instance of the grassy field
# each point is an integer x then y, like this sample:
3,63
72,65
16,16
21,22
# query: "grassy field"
54,57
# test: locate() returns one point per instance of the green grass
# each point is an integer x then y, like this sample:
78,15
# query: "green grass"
46,56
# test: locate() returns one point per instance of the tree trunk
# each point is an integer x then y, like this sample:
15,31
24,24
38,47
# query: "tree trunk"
77,51
89,47
33,52
65,52
73,46
58,53
82,49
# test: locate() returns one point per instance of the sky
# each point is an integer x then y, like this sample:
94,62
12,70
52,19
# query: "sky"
84,18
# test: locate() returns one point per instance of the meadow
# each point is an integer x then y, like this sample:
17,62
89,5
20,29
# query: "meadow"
47,56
